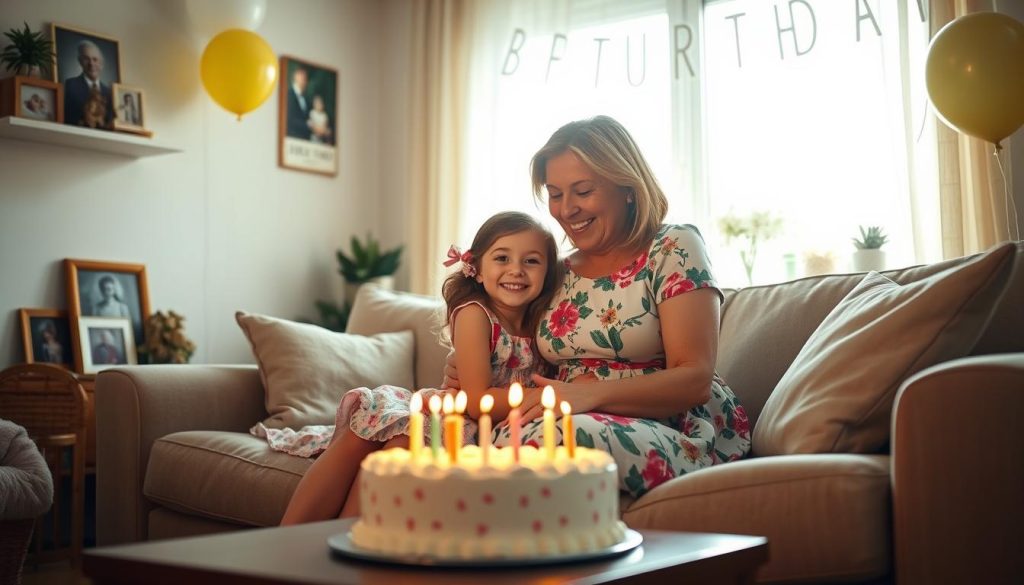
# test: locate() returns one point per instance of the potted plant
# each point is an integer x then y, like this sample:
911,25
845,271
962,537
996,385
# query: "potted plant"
367,263
752,229
29,54
869,254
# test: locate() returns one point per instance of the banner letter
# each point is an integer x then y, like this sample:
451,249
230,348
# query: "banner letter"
869,16
682,50
518,38
643,61
597,69
735,18
792,28
552,58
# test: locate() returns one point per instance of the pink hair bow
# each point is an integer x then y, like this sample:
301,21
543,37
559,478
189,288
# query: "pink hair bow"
456,255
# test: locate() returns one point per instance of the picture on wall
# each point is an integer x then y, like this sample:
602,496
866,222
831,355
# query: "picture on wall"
88,64
46,337
107,290
105,342
307,117
128,109
38,99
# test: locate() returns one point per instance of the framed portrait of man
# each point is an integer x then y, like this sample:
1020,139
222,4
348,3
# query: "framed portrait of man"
46,337
88,65
109,290
105,342
307,117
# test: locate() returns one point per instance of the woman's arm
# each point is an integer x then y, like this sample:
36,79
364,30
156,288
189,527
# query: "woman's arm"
689,332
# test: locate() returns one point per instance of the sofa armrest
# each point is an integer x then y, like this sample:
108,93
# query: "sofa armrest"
136,406
957,475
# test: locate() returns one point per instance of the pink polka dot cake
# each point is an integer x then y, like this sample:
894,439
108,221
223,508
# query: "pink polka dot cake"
537,507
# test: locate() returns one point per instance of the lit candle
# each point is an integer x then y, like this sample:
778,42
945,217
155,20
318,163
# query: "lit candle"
416,426
449,428
547,399
515,398
568,439
486,403
460,407
435,426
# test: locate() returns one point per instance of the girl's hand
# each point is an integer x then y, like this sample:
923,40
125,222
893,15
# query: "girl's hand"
579,394
451,373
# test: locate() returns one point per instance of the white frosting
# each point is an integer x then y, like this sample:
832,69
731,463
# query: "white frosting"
505,509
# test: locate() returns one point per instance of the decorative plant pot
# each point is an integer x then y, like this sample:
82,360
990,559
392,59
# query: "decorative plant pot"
869,259
352,288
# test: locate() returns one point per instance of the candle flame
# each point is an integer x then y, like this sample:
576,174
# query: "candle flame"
566,409
547,397
460,401
416,404
448,404
435,404
486,403
515,395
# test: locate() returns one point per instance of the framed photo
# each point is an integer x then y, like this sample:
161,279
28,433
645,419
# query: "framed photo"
46,337
38,99
107,290
307,117
105,342
88,64
128,109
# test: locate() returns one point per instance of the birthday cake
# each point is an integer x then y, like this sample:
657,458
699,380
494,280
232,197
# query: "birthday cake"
536,507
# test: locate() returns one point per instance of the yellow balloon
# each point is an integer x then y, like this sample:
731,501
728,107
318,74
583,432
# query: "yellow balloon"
975,75
238,69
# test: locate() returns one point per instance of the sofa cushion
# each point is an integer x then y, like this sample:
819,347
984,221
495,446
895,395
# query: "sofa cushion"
377,310
826,517
837,395
305,369
226,476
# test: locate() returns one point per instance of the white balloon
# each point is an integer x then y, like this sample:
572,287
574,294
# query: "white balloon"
210,17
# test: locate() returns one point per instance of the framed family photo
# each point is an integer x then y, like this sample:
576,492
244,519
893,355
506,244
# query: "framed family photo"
88,64
307,117
105,342
38,99
129,115
46,337
109,290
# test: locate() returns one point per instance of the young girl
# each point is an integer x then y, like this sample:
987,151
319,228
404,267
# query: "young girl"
494,303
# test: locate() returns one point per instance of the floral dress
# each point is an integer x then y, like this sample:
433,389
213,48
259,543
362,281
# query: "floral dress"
609,326
381,413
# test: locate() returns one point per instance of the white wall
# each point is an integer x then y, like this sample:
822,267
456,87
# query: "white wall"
219,226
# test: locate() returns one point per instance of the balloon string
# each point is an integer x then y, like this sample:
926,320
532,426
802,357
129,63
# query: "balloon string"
1006,199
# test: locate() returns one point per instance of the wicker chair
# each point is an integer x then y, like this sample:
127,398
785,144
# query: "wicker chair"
51,404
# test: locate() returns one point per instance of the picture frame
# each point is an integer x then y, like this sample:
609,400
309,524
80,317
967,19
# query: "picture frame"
307,125
32,98
46,337
82,57
104,342
106,289
129,109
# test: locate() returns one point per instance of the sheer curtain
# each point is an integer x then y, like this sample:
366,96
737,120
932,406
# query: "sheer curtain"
973,190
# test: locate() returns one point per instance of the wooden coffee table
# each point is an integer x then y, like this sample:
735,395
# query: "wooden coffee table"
299,554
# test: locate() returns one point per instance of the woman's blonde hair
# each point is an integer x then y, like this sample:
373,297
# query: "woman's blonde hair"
608,149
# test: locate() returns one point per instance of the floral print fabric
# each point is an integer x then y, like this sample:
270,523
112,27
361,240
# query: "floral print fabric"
609,326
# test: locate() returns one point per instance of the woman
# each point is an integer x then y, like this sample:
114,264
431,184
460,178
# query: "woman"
638,311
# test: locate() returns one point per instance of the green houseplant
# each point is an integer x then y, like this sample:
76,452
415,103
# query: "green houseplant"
751,229
869,254
30,53
364,262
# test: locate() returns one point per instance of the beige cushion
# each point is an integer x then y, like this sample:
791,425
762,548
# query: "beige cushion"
826,517
837,394
377,310
305,369
222,475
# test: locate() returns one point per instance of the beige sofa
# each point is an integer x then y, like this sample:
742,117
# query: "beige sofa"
942,503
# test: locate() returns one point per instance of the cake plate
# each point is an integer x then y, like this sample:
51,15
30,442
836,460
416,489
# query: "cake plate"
341,544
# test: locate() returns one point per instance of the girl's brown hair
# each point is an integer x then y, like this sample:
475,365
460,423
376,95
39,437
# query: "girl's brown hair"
459,289
609,150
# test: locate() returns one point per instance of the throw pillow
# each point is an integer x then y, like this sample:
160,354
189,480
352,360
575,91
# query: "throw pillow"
838,393
305,369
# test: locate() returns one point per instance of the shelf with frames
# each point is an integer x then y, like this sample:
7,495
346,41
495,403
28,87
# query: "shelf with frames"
118,143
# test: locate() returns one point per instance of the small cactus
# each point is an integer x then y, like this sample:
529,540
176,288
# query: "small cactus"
870,239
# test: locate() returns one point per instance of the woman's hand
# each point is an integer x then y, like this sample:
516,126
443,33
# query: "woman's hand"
451,373
577,394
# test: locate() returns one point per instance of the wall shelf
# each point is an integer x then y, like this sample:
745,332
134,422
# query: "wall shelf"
118,143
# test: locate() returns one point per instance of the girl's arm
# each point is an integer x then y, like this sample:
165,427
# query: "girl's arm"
472,345
689,332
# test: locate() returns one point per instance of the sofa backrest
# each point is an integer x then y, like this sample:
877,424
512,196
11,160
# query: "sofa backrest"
764,327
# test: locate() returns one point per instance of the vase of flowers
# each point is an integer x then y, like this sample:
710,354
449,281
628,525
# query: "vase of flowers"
751,230
166,342
869,254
